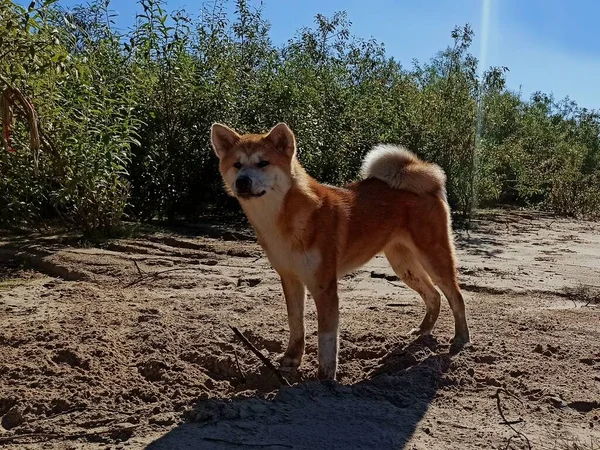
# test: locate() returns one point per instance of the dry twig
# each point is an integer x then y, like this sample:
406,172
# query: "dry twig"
393,284
152,275
510,423
260,356
237,362
140,271
81,409
46,436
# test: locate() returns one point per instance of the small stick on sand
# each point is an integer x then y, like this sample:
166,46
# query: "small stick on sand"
140,271
47,436
237,362
509,423
153,276
260,356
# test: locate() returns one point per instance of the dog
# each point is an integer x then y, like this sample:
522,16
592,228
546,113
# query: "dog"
313,234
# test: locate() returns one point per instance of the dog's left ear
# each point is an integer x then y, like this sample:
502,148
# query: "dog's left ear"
283,139
222,139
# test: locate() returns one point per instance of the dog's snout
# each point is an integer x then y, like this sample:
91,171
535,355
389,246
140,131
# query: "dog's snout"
243,184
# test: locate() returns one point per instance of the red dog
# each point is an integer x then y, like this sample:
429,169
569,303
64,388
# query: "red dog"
314,234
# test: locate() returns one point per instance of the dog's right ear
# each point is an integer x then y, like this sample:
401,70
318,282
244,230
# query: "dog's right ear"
222,139
283,139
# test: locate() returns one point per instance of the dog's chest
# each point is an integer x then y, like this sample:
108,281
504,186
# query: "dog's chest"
285,255
284,250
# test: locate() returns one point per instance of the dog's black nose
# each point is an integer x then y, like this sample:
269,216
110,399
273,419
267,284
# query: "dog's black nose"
243,185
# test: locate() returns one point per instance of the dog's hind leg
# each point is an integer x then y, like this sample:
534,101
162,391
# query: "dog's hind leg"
409,269
439,262
295,295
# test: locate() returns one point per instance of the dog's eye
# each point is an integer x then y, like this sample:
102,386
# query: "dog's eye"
263,164
238,165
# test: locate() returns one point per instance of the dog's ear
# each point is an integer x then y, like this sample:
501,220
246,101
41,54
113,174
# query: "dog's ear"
222,139
283,139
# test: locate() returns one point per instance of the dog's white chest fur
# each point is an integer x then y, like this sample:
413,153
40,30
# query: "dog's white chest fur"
282,251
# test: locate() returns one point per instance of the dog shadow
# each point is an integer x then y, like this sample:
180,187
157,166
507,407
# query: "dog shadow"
382,411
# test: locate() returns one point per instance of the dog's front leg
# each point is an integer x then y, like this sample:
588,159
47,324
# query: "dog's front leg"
295,294
326,300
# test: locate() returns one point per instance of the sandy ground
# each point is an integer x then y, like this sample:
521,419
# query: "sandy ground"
128,345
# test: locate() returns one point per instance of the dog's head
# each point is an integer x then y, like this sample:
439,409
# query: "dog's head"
255,165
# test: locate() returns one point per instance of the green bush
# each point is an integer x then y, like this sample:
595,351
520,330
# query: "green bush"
80,82
124,118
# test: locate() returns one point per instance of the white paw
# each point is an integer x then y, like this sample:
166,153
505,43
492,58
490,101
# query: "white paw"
419,332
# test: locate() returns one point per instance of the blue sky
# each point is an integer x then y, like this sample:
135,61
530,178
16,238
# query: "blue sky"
548,45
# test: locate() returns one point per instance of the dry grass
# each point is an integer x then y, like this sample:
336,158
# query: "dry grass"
589,295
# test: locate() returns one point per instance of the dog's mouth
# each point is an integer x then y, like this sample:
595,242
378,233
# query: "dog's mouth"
249,195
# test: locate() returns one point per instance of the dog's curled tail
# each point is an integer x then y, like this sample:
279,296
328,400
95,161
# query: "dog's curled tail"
402,169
